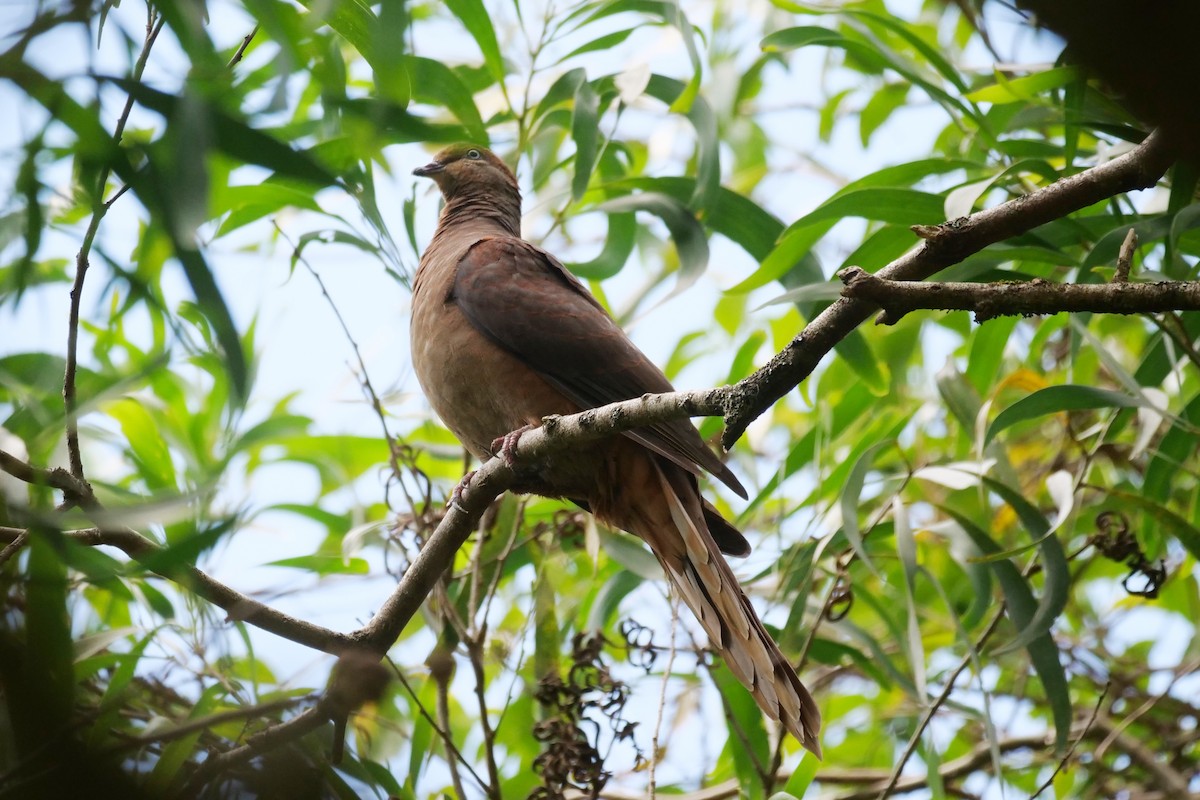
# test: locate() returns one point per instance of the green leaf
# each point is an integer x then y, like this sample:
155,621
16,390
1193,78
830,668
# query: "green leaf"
618,245
1054,566
563,89
897,206
435,83
802,36
606,42
1027,89
478,22
856,352
146,443
1043,652
691,243
234,137
168,769
849,501
48,678
324,565
1054,399
700,114
879,108
585,130
791,256
747,745
631,554
609,598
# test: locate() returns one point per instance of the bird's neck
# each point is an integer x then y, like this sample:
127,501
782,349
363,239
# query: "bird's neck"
494,210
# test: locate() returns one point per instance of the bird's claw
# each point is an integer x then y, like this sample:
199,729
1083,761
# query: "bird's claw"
456,496
505,447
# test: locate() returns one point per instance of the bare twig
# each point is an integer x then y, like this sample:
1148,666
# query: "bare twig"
1062,762
364,379
927,717
444,733
1125,257
241,51
662,699
14,545
154,24
1170,781
1128,719
1013,298
442,677
475,656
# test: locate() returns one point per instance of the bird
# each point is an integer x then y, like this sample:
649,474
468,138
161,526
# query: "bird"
502,335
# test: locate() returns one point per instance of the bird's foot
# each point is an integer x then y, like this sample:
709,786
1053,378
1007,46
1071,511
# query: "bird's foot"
456,496
505,447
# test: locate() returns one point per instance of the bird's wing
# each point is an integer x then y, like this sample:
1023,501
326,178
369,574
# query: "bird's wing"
525,301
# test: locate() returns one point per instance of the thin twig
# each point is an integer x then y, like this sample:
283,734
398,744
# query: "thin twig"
364,378
442,678
211,720
260,742
662,698
154,24
444,733
1082,734
1125,257
153,557
1127,720
927,717
475,656
241,51
14,546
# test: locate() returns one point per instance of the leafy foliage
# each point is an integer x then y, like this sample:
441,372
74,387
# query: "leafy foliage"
991,527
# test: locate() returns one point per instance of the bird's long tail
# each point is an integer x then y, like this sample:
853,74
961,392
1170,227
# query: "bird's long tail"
688,553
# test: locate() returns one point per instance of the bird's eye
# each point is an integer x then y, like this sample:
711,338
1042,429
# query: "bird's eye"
474,154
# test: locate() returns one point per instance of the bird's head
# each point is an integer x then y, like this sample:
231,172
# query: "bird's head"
468,169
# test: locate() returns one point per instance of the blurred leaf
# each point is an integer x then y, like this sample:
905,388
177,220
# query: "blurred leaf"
879,108
435,83
1024,90
618,246
700,114
478,22
235,138
585,130
691,243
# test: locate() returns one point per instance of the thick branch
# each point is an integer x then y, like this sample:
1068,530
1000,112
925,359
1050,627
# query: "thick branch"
990,300
944,245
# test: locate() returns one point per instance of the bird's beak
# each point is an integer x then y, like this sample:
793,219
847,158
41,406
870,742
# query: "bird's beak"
432,168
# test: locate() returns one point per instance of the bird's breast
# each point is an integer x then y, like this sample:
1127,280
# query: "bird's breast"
479,390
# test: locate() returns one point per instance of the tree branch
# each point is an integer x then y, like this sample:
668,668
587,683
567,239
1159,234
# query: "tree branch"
158,560
99,210
944,245
1011,298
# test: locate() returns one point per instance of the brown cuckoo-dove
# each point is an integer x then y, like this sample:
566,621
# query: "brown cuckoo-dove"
503,335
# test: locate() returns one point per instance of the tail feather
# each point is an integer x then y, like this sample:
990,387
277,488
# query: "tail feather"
708,587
